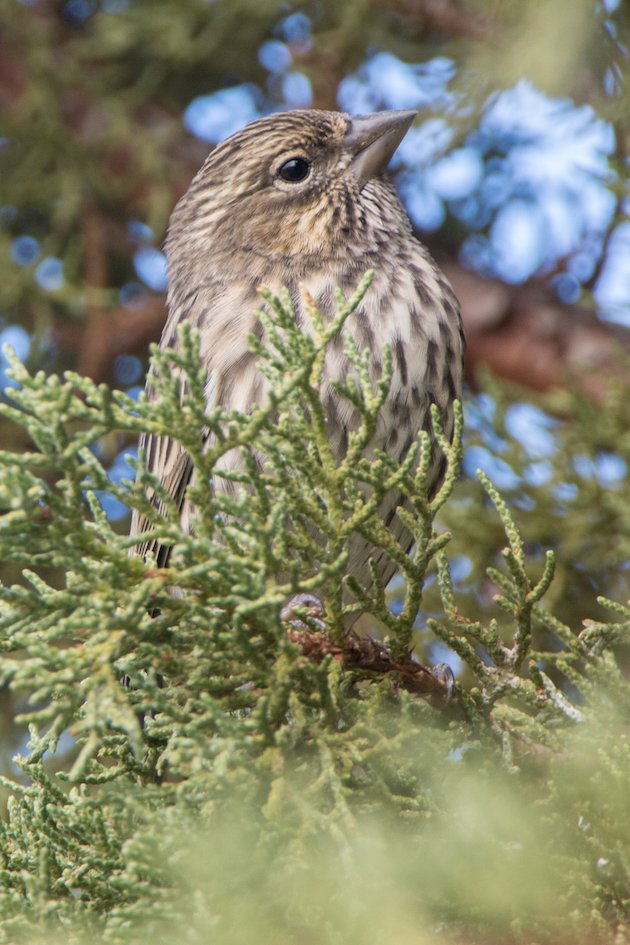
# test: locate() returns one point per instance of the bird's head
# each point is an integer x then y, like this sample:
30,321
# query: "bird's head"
292,184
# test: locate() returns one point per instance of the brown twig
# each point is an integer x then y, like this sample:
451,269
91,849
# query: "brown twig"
95,334
445,16
362,653
366,655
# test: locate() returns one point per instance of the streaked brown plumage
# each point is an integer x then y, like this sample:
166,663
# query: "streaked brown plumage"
249,220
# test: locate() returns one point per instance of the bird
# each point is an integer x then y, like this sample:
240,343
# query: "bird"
297,200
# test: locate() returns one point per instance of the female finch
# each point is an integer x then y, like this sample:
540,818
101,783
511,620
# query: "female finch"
296,200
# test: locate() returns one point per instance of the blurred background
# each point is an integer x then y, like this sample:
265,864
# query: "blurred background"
515,174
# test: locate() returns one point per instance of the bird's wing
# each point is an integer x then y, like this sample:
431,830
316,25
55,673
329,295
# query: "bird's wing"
168,462
165,458
225,323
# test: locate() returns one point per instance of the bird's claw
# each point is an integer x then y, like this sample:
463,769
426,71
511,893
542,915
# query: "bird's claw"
301,606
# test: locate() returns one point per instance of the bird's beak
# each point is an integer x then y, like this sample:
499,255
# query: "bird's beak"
372,139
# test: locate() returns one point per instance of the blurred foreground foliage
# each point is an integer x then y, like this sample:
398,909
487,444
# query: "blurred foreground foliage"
300,800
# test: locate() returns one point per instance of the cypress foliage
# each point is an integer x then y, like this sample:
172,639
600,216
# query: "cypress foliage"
273,781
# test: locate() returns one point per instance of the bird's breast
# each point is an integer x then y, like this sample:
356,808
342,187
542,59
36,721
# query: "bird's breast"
407,309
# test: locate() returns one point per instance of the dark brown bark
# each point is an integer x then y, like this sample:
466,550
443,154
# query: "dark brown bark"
526,336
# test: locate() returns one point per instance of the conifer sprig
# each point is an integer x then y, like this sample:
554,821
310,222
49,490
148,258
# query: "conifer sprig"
300,729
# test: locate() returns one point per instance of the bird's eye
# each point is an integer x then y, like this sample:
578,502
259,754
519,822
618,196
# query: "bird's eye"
294,170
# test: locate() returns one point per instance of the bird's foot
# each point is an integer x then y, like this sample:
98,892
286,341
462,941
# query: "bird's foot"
304,606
